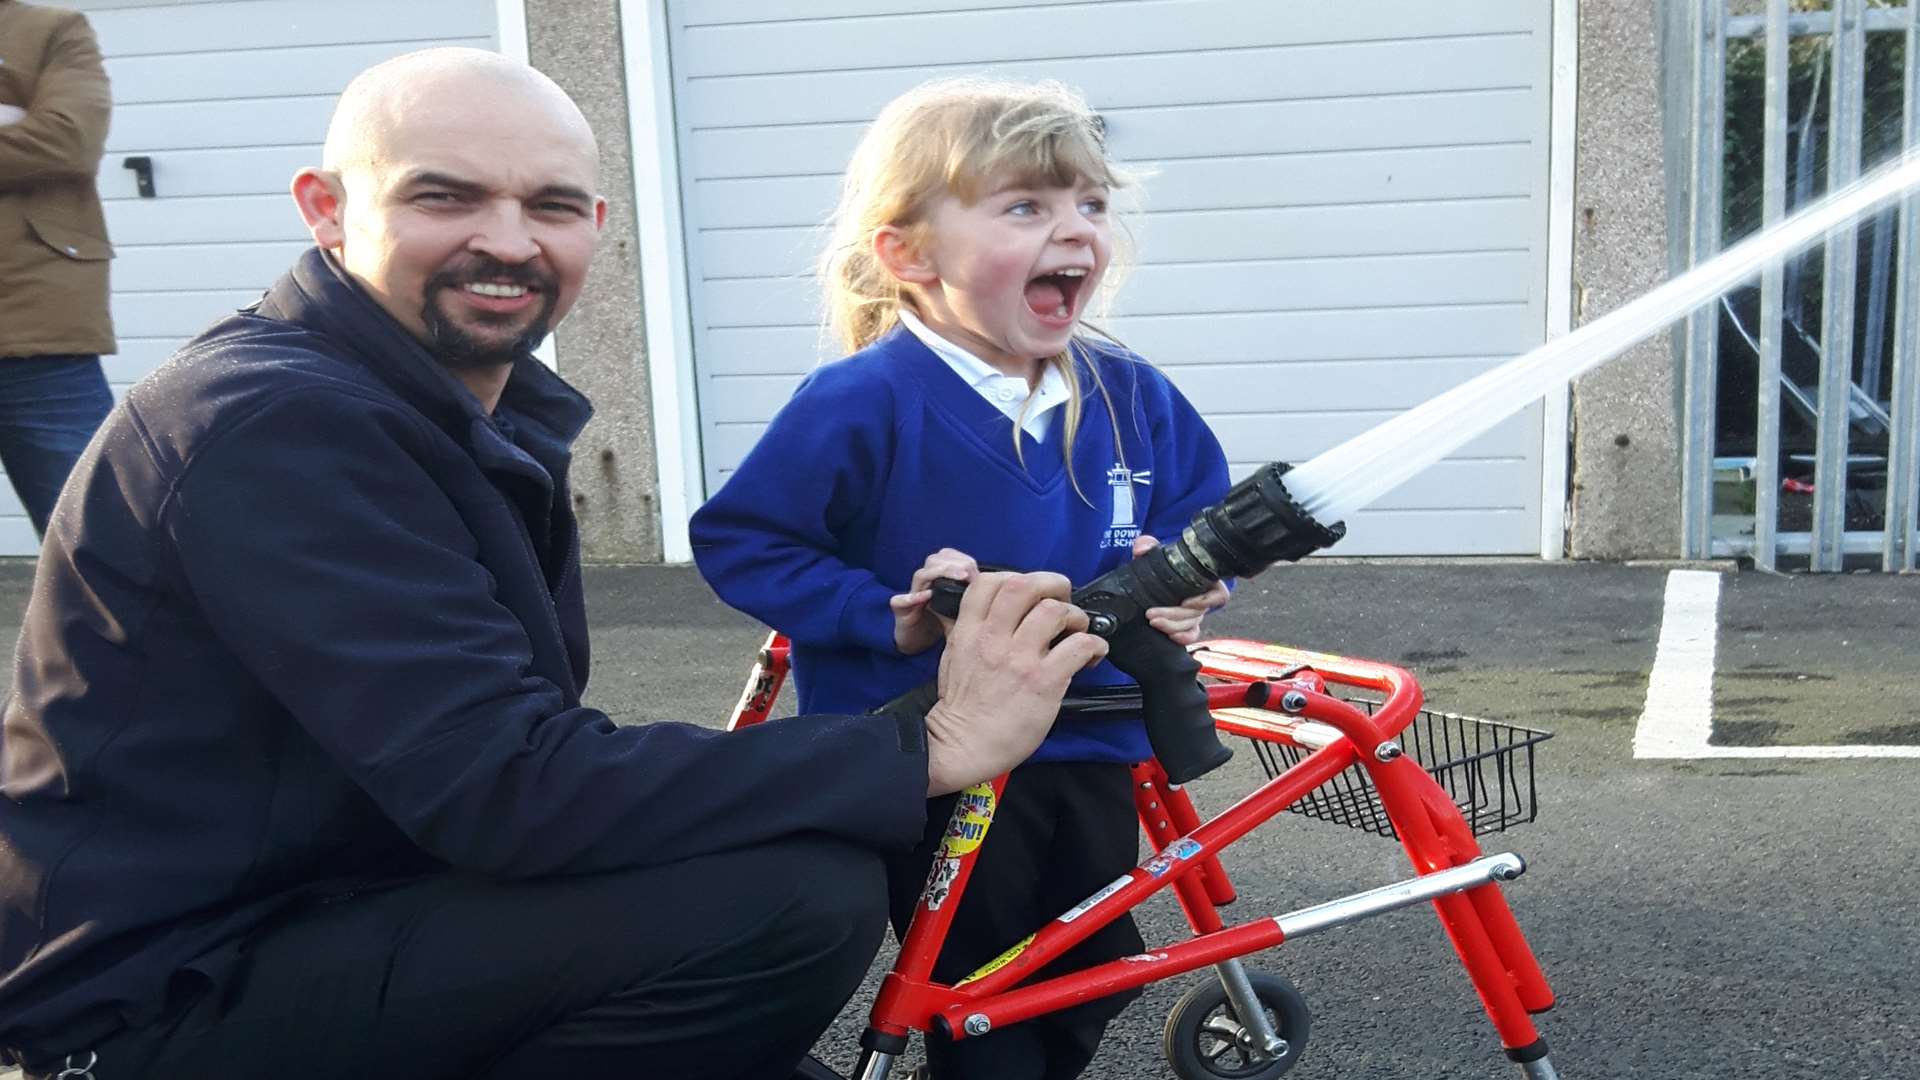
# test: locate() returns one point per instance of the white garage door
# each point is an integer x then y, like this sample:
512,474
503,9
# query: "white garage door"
227,100
1348,212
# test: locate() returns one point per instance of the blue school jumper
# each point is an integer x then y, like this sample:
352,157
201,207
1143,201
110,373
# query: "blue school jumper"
885,457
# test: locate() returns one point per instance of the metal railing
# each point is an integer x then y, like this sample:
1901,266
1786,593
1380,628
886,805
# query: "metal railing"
1844,404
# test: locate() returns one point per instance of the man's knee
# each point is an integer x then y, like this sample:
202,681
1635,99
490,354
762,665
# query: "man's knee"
837,904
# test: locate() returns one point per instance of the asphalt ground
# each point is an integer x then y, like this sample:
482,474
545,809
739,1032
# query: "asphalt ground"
1705,918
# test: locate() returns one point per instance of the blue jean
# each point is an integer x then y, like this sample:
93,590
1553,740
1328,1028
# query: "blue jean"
49,408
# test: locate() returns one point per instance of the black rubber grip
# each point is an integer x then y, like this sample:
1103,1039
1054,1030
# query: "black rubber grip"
1172,701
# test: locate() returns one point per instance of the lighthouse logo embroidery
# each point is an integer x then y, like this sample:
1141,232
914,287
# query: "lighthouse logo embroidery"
1126,514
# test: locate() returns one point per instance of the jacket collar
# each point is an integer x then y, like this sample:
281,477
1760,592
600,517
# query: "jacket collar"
319,296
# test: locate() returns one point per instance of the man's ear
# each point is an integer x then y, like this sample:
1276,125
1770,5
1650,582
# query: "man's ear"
321,199
903,257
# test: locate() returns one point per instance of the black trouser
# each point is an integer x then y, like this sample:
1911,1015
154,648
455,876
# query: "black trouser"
1062,831
727,965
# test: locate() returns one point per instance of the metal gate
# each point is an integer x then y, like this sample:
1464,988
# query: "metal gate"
1804,483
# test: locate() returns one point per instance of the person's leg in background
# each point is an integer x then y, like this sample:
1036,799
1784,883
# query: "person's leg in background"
49,408
719,967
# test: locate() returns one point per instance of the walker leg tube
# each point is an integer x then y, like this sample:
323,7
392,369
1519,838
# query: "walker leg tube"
1246,1006
1491,905
874,1065
1539,1070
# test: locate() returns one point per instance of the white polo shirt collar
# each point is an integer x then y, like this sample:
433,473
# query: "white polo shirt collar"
1002,391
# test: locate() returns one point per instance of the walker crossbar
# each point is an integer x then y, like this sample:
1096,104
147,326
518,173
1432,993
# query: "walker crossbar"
978,1017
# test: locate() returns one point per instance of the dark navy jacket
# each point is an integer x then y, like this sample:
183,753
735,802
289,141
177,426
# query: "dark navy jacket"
308,619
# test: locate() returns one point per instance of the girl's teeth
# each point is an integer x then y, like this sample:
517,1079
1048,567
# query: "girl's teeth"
1062,313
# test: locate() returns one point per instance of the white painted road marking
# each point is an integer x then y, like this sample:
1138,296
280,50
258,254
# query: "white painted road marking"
1677,721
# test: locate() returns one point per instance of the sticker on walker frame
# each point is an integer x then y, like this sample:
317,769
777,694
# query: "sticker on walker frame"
1000,961
1087,905
939,882
967,826
1179,851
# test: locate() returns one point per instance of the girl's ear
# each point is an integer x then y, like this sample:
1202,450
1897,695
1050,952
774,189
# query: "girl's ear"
903,258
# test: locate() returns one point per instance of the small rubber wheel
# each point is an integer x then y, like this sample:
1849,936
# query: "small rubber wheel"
1205,1040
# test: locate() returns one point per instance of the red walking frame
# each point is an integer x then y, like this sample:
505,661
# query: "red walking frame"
1344,739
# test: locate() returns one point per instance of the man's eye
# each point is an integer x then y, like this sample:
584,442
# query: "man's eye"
436,198
567,208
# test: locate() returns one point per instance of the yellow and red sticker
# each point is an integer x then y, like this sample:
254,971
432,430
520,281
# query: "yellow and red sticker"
967,826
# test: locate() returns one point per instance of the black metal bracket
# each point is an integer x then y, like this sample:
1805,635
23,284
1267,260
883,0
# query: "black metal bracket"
142,167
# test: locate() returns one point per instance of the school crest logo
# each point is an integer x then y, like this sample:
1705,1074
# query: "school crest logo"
1126,511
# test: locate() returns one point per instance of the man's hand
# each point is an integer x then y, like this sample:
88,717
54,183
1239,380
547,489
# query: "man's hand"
915,627
1002,678
1182,623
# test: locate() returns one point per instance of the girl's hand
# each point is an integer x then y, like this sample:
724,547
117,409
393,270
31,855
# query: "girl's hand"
1182,623
915,627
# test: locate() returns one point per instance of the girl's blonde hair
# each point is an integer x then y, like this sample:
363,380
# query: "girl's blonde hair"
956,137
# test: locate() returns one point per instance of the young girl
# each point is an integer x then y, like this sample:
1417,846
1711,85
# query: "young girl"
974,423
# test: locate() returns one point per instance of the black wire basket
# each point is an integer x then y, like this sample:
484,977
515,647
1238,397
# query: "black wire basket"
1487,768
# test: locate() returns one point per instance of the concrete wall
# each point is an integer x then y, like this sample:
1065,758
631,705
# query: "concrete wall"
601,346
1626,433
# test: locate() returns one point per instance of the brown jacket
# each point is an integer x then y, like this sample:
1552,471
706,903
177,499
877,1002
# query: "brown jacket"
53,237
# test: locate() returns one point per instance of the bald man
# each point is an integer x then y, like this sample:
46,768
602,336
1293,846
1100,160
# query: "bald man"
298,779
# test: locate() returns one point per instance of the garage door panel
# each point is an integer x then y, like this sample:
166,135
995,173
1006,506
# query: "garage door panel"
226,219
1190,288
751,11
1473,531
789,251
1344,215
209,124
728,442
1498,330
192,173
1185,236
1301,284
1300,436
1154,137
736,399
253,24
1332,178
1154,26
1343,178
290,72
763,302
175,314
138,356
1499,484
1164,133
216,266
1121,82
1314,386
766,350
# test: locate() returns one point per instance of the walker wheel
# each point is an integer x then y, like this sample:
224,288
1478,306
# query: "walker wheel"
1204,1040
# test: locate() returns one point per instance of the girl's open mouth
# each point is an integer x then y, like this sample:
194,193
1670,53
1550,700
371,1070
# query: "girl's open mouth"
1052,296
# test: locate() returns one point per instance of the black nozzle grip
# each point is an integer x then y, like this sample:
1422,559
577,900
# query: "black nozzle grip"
946,596
1172,701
